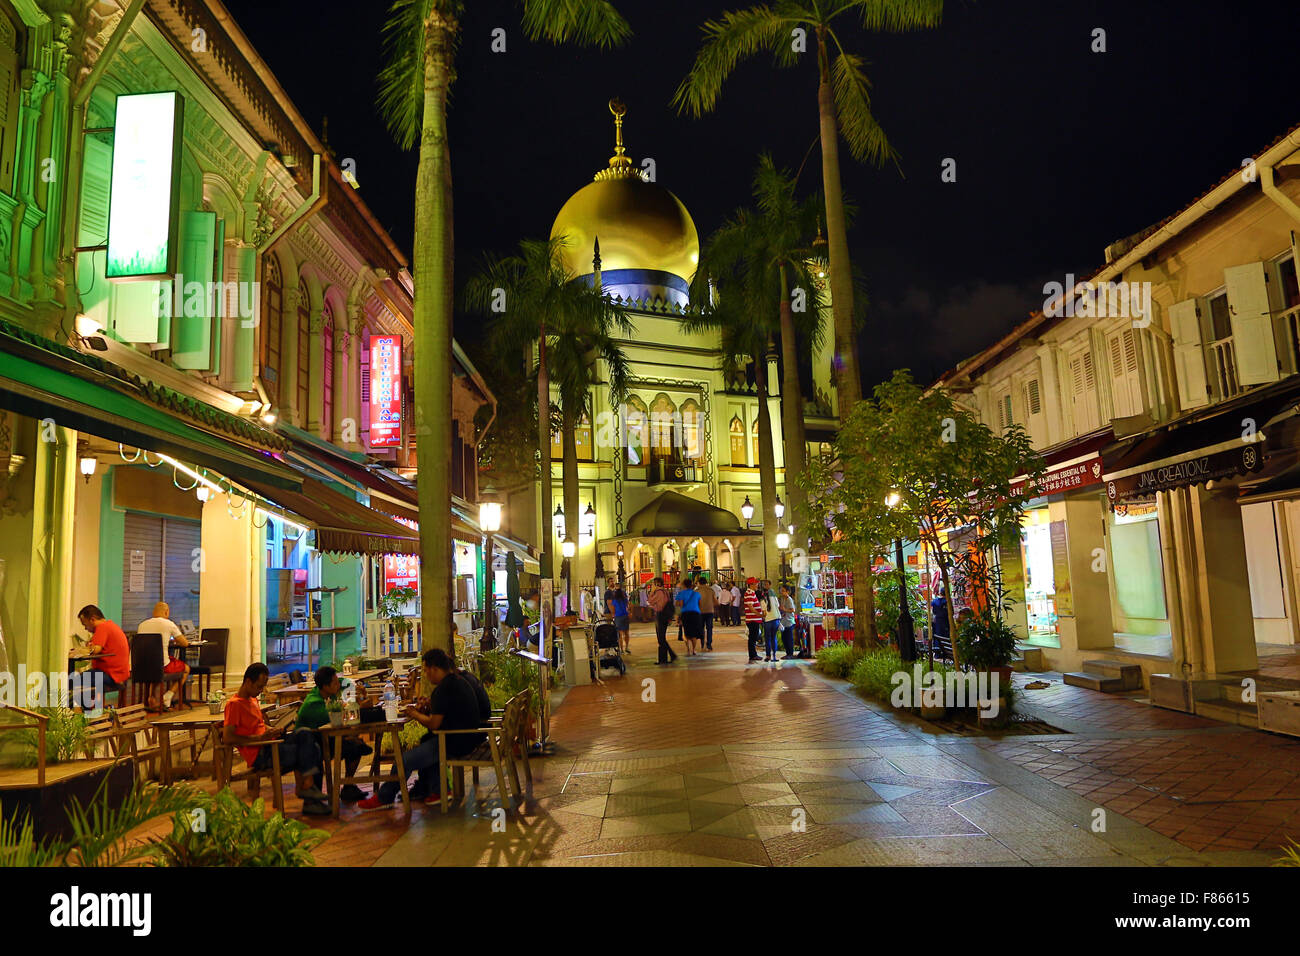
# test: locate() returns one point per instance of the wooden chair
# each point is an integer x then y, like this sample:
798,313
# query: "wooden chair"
146,665
223,756
486,754
212,658
137,736
278,681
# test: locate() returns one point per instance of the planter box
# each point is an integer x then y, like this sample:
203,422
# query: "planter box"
48,805
1279,711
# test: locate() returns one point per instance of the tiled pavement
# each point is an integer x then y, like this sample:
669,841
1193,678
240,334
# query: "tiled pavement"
715,762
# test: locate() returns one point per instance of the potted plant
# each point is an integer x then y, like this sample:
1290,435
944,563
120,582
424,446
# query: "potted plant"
391,608
216,702
334,707
987,643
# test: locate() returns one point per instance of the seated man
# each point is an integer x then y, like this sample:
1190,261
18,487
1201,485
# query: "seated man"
313,713
453,706
174,668
480,694
112,652
244,724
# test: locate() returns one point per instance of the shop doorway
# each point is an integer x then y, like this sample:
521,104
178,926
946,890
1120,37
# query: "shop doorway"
161,562
1137,582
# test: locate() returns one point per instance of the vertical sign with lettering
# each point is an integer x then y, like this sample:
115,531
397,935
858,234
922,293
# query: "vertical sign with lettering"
385,391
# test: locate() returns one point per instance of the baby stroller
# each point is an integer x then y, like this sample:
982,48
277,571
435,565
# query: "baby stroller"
607,650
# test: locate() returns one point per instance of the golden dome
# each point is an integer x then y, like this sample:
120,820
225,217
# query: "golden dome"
639,224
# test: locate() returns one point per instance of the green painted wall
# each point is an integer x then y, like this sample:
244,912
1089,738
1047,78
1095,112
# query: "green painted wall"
348,605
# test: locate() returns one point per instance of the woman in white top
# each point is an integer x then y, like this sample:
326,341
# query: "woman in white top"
174,669
771,620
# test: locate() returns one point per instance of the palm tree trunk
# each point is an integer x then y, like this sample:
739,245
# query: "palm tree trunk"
792,428
572,517
432,262
544,533
848,384
766,467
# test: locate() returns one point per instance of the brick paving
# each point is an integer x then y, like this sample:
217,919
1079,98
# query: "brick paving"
712,761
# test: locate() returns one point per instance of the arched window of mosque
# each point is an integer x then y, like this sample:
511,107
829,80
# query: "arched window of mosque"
327,371
272,326
756,458
664,435
692,432
582,437
637,420
303,352
737,432
10,78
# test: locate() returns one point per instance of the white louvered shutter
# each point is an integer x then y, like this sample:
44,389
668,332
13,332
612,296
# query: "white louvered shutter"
1189,355
1252,323
1125,373
1034,418
1083,391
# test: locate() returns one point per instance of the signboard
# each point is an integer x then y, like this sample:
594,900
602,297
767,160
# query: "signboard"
401,571
1193,470
385,391
1080,474
145,186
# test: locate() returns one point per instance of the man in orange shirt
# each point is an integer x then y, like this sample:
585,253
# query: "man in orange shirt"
113,654
244,724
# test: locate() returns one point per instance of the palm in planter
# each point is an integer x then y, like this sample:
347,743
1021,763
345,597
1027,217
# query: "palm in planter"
391,607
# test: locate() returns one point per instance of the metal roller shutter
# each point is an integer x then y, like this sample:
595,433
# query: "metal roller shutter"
169,568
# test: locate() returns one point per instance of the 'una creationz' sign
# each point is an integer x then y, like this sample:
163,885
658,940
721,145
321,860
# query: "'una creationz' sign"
1193,470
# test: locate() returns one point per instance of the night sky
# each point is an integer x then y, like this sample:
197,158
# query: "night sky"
1059,150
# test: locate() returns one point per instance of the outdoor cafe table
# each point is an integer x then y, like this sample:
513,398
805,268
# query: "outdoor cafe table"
301,690
333,758
194,721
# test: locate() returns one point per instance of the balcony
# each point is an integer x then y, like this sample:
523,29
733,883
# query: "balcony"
664,472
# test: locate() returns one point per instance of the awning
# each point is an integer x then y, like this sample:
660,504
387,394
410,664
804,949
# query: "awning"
342,525
527,557
38,389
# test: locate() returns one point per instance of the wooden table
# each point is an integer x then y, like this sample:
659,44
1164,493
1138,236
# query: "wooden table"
334,764
194,721
319,632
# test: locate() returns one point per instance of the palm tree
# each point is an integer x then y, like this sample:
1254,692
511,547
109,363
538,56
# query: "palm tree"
738,291
420,38
574,326
843,106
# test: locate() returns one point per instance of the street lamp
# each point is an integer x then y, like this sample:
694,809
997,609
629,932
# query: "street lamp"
906,629
557,520
782,544
778,508
489,519
589,521
747,511
568,549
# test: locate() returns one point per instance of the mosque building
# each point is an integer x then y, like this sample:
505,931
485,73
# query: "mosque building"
667,489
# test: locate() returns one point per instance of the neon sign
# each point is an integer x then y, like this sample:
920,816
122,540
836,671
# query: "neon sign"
385,391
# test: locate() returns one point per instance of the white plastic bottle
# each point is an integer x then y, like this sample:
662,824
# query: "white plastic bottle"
390,701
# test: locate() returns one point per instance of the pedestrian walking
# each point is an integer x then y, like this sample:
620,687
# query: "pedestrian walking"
688,608
722,603
771,620
661,603
707,605
616,605
737,603
787,621
753,618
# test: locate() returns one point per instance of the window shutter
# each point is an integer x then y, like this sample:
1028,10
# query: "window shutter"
1252,323
365,389
192,347
1034,410
1189,356
1083,391
1125,376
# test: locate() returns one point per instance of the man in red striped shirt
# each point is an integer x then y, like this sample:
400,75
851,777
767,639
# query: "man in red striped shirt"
753,618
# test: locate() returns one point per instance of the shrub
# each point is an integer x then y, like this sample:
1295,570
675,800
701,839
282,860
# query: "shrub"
236,834
505,674
838,658
65,737
874,672
985,641
1290,854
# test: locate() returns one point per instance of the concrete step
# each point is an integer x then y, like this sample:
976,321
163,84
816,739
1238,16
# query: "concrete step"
1101,682
1230,712
1130,674
1028,658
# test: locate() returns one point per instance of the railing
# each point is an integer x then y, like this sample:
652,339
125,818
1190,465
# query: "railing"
1223,360
662,472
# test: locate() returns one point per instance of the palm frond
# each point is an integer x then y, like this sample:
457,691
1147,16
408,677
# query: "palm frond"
401,81
898,16
737,36
584,22
851,89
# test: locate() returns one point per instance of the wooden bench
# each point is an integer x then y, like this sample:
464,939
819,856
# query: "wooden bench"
496,752
134,724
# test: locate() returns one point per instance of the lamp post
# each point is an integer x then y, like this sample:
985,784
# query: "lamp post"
489,519
782,544
906,629
747,511
778,508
